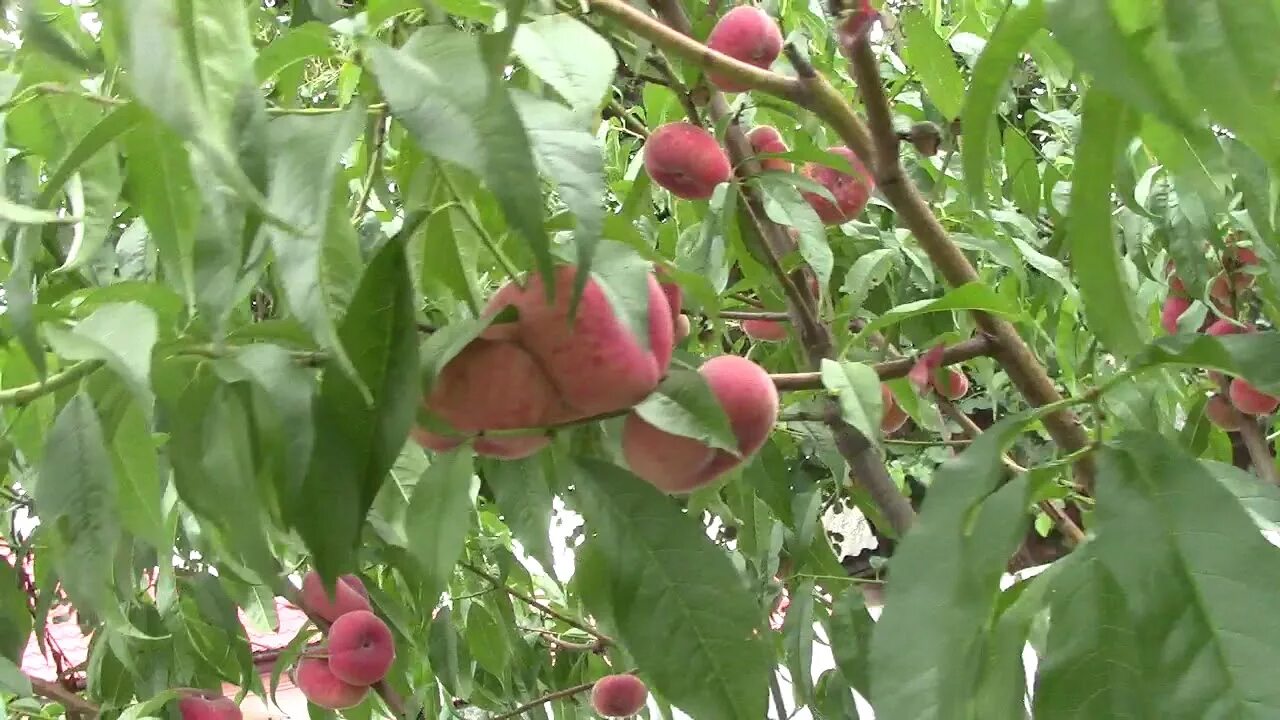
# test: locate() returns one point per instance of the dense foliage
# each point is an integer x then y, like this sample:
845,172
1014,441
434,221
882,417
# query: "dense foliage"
533,348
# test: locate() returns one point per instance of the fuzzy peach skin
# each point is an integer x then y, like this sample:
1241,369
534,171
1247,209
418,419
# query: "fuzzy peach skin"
950,383
767,139
1250,400
617,696
892,416
1221,413
322,688
361,648
593,364
686,160
852,192
1171,310
678,464
346,597
748,34
765,330
194,707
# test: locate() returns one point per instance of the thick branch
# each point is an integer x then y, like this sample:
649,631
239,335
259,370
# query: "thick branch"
69,700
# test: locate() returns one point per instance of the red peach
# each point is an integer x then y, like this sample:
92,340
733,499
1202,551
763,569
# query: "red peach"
211,707
852,192
950,383
678,464
682,327
319,601
892,416
322,688
1250,400
1173,309
765,330
361,648
593,363
1221,413
616,696
1223,326
686,160
748,34
767,139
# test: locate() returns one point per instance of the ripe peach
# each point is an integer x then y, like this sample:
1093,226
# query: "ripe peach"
1250,400
686,159
1239,257
593,363
1221,413
1176,286
503,448
892,416
767,139
748,34
682,327
852,192
1223,326
493,385
356,584
616,696
323,688
210,707
765,330
361,648
1173,309
950,383
678,464
344,599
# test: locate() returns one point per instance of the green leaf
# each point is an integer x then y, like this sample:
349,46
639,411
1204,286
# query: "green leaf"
357,437
305,159
931,58
1197,576
19,214
294,46
785,205
523,491
448,655
1249,355
1095,253
669,592
568,153
163,191
684,405
850,634
76,496
121,334
1024,176
1115,62
15,616
1020,21
946,573
868,271
149,707
139,489
798,635
1090,644
1260,499
570,57
857,388
13,679
439,516
973,296
439,86
1226,54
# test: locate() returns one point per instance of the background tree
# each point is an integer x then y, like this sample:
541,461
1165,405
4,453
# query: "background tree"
350,302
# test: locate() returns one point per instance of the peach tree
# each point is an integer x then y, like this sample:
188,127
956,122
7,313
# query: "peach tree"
548,356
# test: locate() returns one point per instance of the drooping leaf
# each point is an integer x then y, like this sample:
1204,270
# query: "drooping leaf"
684,405
525,497
570,57
946,574
667,591
359,434
932,59
439,86
439,516
15,616
973,296
1095,254
121,334
857,388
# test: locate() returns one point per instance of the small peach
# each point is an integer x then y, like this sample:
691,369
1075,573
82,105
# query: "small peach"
950,383
617,696
1173,309
767,139
323,689
892,416
765,330
1221,413
208,707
